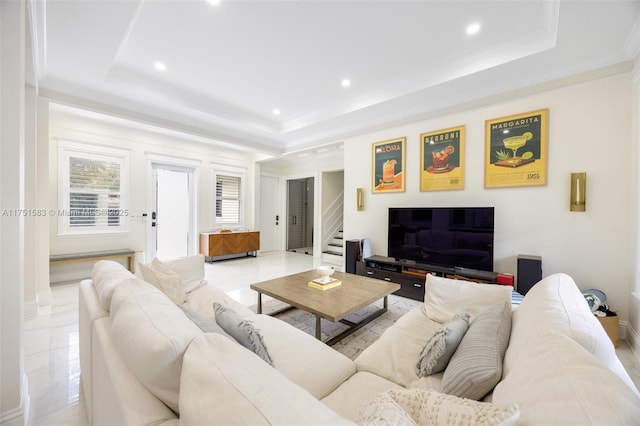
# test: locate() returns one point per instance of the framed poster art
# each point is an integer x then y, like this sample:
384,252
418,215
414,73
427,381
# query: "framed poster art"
516,150
388,165
442,159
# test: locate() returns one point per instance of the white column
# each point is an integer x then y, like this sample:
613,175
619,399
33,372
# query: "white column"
30,202
43,203
13,385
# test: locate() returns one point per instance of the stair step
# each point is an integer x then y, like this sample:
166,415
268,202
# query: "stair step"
335,245
335,253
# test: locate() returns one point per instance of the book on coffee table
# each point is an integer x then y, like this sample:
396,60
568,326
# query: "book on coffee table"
325,285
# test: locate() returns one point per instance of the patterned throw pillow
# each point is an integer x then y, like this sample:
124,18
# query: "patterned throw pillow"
476,366
241,330
429,407
441,346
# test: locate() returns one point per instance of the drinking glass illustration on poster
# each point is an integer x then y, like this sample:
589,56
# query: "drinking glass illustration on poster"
388,166
516,150
442,159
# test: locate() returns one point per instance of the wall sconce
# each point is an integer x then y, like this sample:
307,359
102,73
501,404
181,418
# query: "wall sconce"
578,192
359,199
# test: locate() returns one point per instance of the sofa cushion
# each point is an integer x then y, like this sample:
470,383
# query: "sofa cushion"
577,388
352,396
242,331
202,298
393,356
205,324
165,279
476,366
224,383
151,334
429,407
106,275
440,347
302,358
444,297
556,303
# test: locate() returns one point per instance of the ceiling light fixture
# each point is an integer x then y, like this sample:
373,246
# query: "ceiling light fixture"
276,111
213,2
473,28
160,66
346,82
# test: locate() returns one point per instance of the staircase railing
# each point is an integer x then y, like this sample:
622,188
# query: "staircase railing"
332,220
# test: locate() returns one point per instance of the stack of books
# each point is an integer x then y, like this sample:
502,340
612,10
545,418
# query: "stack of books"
324,284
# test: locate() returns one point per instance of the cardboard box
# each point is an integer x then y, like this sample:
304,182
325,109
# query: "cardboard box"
612,327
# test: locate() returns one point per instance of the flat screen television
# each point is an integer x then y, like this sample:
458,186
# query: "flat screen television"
445,236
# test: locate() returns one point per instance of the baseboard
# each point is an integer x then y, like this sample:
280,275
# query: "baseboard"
632,338
44,297
18,416
31,309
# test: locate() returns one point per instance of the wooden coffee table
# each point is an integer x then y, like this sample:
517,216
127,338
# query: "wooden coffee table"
335,304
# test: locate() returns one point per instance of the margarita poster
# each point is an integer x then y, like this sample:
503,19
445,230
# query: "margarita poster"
516,150
442,159
388,166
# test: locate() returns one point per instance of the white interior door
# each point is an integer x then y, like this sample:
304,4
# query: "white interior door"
270,215
172,226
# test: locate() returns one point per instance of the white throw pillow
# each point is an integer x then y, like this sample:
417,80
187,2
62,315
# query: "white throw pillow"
190,270
165,279
444,297
429,407
556,381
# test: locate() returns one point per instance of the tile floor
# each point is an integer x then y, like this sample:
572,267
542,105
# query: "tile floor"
51,339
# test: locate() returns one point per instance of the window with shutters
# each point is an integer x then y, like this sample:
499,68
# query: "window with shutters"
93,182
228,198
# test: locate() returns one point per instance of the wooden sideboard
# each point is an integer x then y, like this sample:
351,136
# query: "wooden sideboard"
227,243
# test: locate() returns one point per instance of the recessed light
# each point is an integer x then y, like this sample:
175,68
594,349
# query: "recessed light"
213,2
160,66
473,28
346,82
276,111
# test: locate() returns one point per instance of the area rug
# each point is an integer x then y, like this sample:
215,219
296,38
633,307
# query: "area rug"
352,345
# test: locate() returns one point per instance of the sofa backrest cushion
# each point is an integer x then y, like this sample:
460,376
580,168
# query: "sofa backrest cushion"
556,303
444,297
224,383
556,381
106,275
151,334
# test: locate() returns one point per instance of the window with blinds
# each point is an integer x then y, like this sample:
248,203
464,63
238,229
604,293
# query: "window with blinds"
228,199
93,198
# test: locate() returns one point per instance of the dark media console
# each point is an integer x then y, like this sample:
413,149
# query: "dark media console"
411,275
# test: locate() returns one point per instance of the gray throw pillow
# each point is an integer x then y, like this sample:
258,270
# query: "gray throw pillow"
205,324
441,346
241,330
476,366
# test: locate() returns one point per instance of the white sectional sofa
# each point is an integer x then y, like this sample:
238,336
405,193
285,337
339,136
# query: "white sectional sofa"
145,362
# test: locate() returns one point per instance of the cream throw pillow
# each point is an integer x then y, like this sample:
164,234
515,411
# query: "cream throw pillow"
429,407
165,279
444,297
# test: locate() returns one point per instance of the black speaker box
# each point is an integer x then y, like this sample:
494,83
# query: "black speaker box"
352,253
529,272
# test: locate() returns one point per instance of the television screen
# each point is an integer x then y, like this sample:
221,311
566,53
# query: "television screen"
446,236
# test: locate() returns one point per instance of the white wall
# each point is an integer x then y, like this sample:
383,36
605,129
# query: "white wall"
140,144
589,130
